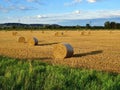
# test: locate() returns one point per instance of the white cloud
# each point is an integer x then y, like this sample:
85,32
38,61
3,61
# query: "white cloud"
73,2
91,1
13,8
56,18
77,12
77,1
24,8
36,1
41,16
5,9
13,5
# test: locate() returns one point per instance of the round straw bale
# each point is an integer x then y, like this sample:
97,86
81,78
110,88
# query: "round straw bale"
82,33
43,32
89,32
33,41
31,31
59,34
63,50
14,33
56,34
21,39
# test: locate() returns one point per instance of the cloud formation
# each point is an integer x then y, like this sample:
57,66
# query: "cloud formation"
6,9
38,17
73,2
41,16
13,8
36,1
22,0
75,15
13,5
77,12
91,1
24,8
56,18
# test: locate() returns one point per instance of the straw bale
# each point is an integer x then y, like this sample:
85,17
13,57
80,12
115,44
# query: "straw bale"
82,33
33,41
21,39
58,34
62,50
14,33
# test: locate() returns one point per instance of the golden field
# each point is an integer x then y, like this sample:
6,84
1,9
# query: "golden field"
99,50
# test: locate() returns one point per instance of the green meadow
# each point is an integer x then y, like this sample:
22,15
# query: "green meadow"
18,74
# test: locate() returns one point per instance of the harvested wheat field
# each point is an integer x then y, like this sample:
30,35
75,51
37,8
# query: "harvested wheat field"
99,50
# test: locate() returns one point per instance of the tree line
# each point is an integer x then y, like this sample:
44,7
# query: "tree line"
111,25
19,26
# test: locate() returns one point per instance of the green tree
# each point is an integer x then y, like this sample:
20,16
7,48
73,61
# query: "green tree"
113,25
88,26
107,25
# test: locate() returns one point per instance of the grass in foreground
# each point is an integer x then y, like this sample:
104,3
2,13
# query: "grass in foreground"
35,75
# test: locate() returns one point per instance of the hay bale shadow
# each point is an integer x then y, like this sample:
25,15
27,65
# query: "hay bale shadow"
88,53
44,44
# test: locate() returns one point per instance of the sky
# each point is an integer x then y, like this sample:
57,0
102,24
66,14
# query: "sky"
56,11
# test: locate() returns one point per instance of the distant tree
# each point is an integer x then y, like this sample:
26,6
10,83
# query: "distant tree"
88,26
107,25
77,27
118,25
113,25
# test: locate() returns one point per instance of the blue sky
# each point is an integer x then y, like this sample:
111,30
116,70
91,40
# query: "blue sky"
56,11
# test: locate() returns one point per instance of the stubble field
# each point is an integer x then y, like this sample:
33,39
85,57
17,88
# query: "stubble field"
98,50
